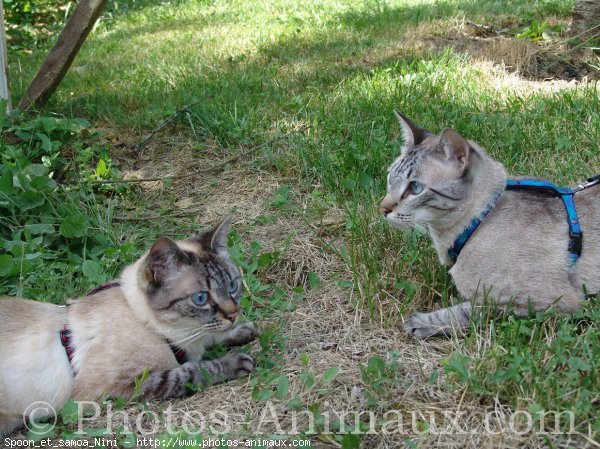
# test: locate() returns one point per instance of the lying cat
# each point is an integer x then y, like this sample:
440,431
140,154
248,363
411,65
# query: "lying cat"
518,255
174,302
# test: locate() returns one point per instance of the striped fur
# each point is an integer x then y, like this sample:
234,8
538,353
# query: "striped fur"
121,334
174,383
518,257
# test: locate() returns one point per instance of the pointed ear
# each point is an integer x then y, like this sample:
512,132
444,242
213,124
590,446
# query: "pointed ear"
413,134
457,149
215,239
163,260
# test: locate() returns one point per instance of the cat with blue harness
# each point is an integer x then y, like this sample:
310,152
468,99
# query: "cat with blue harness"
516,242
539,185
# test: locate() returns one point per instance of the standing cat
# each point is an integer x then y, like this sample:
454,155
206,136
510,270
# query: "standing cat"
174,302
518,255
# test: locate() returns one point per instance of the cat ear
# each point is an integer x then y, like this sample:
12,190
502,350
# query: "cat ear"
457,149
163,260
215,239
413,134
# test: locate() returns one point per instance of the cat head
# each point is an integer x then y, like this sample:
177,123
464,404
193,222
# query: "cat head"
429,183
193,284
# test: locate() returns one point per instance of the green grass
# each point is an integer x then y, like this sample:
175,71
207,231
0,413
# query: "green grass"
325,76
540,364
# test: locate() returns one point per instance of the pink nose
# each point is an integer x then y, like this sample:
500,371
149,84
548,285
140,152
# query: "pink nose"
232,316
385,211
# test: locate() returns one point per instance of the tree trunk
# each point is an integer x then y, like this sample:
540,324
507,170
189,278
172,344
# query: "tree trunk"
61,56
586,19
4,84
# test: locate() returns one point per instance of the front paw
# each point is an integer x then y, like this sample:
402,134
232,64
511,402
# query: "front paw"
240,365
418,326
242,334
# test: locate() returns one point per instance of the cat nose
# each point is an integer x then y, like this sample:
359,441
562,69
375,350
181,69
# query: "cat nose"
387,205
385,211
232,316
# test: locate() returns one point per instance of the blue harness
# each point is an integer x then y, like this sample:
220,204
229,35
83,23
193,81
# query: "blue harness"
565,193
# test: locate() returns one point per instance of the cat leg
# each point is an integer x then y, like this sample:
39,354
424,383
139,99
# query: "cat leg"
239,335
441,322
9,423
174,383
457,318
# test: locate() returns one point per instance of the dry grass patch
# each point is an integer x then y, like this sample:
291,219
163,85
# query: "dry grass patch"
553,61
328,329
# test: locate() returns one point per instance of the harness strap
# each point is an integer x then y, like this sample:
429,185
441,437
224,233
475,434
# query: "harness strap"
462,238
537,185
566,194
592,181
66,334
179,353
65,340
103,287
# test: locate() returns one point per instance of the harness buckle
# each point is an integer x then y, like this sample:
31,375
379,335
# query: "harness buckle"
591,181
575,242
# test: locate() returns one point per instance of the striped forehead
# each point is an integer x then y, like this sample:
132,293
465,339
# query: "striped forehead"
210,267
216,275
403,167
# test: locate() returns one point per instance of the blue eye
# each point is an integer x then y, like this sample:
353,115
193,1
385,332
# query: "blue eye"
415,187
200,298
233,286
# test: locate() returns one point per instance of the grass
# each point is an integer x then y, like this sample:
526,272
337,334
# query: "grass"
315,83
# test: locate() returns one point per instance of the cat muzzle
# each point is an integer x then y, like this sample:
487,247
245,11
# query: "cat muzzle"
232,316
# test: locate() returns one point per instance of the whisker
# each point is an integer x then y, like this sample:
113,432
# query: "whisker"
174,331
189,338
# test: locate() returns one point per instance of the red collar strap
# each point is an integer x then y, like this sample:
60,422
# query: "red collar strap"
65,339
179,353
103,287
66,334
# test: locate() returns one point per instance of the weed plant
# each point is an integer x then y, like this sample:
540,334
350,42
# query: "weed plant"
326,75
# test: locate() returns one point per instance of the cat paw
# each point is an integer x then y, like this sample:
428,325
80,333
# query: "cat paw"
241,364
418,326
242,334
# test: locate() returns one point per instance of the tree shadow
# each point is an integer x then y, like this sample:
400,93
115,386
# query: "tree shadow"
302,75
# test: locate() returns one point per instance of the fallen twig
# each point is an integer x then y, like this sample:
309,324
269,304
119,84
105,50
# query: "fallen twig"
166,122
159,217
574,48
188,175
